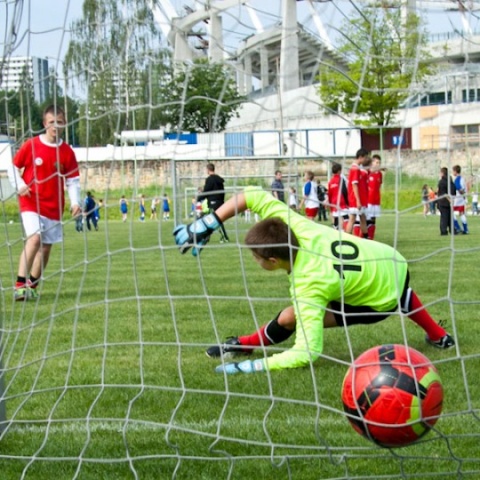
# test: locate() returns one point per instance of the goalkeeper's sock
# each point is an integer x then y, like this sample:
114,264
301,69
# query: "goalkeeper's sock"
33,282
270,334
21,282
255,339
423,319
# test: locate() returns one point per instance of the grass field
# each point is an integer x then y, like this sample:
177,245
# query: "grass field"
106,376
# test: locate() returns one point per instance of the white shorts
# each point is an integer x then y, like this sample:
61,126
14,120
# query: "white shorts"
341,213
356,211
373,211
50,231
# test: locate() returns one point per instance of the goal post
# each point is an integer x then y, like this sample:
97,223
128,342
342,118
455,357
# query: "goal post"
3,409
188,175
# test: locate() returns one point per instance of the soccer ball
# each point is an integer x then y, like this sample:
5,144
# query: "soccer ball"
393,395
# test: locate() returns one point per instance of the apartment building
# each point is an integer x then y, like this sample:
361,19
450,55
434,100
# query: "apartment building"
17,70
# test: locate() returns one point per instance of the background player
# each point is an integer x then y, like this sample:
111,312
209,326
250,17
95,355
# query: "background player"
292,198
338,197
358,194
39,171
375,180
98,207
90,211
445,191
123,208
310,196
214,192
142,208
166,207
459,200
322,201
278,189
153,208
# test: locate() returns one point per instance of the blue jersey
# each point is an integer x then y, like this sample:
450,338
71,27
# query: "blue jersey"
461,190
89,205
166,205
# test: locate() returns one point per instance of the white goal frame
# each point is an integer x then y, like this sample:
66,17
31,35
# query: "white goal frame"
185,185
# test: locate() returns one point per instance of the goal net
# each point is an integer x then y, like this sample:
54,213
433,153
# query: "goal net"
104,375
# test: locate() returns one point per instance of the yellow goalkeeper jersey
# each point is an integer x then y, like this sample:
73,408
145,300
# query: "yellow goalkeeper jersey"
329,266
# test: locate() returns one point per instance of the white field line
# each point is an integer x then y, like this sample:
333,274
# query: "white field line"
92,425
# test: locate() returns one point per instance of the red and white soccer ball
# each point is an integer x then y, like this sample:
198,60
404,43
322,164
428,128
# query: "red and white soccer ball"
393,395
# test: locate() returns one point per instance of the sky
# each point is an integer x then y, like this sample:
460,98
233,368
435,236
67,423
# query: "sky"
42,25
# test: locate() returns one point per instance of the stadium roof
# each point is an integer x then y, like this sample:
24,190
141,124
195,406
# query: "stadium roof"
311,52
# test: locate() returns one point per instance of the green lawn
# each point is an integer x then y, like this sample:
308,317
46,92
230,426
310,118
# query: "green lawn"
106,376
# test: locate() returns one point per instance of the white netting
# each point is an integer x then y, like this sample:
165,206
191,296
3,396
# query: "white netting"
105,375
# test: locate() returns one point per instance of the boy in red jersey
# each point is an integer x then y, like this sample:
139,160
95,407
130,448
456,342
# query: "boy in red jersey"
338,197
358,193
39,171
375,180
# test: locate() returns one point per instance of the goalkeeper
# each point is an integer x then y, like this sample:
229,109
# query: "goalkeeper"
336,280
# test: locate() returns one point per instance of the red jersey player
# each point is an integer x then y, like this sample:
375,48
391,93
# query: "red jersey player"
338,197
375,180
38,173
358,192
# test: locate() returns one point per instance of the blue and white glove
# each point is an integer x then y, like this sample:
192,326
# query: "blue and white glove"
247,366
197,234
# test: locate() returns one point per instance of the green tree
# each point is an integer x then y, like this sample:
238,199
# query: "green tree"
385,61
112,47
20,115
202,97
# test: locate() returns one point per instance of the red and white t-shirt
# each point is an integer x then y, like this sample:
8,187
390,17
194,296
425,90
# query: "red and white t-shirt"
359,176
336,197
375,180
45,167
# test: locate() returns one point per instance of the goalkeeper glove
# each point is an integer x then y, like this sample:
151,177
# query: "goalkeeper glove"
247,366
197,234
